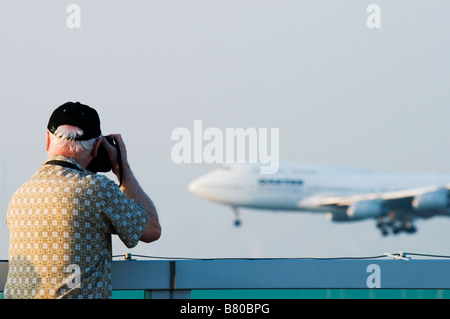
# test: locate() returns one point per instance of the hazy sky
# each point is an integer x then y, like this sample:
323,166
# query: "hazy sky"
338,91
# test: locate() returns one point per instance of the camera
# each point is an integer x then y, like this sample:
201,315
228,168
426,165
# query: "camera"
101,162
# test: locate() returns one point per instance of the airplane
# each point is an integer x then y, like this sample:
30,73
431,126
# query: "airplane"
345,194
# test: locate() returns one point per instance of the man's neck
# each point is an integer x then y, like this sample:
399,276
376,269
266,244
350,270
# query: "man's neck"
82,161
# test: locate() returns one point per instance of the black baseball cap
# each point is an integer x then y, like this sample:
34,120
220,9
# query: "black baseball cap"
79,115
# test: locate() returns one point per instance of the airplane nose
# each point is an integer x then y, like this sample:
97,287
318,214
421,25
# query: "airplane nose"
193,187
204,186
199,188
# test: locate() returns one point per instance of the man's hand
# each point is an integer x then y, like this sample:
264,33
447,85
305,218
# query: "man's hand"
132,189
112,153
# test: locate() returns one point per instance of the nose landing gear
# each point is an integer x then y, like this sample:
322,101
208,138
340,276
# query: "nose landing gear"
237,220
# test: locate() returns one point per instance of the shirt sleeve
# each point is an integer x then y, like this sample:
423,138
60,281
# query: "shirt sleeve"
120,215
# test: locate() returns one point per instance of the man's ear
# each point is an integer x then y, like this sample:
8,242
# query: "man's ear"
48,140
96,146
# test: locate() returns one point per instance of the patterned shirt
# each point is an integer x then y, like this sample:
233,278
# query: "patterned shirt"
60,225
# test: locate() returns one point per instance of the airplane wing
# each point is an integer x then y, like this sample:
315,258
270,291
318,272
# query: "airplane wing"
395,210
388,196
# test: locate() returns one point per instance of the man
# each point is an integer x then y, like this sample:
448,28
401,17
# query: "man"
61,220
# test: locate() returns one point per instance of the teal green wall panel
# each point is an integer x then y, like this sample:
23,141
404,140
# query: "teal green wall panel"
321,294
131,294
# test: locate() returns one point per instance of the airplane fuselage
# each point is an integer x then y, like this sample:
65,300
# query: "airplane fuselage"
242,186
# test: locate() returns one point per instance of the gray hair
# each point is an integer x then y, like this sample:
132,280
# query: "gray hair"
65,135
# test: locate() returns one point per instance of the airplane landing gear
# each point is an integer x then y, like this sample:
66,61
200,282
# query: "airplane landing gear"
395,227
237,220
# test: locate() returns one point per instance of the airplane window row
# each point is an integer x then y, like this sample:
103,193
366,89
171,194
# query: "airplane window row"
266,181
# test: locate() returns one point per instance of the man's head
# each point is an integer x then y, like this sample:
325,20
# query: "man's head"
74,131
79,115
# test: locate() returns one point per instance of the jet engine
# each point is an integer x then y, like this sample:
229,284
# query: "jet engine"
338,216
435,200
366,209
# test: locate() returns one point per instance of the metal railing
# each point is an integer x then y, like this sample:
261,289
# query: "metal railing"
186,278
